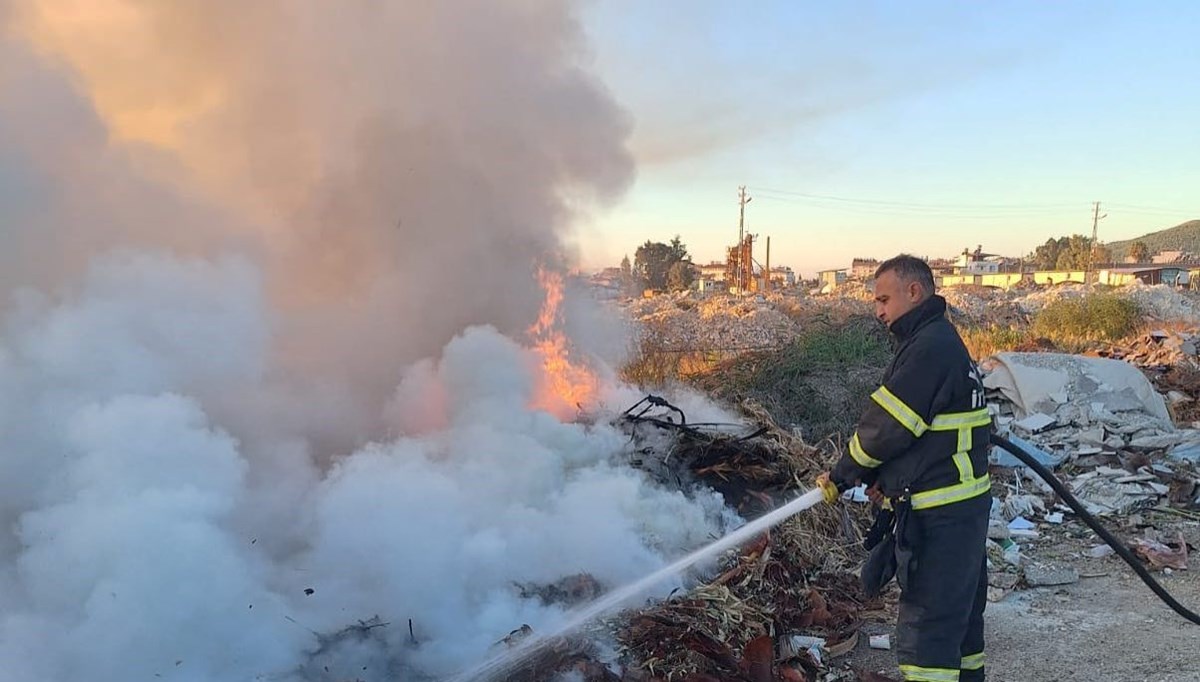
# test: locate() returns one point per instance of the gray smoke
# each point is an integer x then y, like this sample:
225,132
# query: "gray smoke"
265,277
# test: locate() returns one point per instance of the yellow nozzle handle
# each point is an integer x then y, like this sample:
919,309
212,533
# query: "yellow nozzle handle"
828,489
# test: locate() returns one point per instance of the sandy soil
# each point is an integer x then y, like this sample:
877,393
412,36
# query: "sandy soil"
1107,627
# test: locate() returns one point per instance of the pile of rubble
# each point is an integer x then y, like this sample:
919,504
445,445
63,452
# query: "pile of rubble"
1157,301
983,306
1102,425
1158,349
687,321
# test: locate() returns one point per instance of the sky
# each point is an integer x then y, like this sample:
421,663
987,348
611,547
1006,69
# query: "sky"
873,128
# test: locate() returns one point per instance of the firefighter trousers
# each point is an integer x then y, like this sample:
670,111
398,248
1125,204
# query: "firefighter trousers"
939,629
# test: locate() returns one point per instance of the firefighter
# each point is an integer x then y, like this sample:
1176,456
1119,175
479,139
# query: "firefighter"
921,447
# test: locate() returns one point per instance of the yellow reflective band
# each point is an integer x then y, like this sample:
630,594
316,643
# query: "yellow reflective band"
964,440
901,412
859,455
949,421
914,672
972,662
966,472
952,493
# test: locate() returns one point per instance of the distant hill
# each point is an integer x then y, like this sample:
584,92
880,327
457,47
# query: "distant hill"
1182,237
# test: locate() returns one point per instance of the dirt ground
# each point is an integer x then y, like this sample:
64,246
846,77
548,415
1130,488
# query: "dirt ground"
1108,627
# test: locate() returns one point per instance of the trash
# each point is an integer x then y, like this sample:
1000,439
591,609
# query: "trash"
1054,517
1101,494
1159,555
1010,551
1039,574
1016,506
791,646
857,494
1003,458
880,642
1100,551
1021,523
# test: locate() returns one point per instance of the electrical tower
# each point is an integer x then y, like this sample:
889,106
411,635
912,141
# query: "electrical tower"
742,274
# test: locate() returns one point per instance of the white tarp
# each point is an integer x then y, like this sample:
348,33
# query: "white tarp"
1041,382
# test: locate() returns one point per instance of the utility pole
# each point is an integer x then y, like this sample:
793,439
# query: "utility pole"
1096,218
767,268
743,199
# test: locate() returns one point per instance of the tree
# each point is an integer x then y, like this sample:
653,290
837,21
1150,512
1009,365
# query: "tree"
1074,254
681,276
629,283
1045,257
653,260
1139,252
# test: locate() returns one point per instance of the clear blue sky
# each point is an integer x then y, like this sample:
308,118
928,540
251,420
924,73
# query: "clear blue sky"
945,124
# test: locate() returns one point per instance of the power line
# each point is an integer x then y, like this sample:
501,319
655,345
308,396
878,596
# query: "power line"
1152,210
914,205
908,211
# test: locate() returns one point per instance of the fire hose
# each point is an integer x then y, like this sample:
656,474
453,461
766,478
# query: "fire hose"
1091,521
831,493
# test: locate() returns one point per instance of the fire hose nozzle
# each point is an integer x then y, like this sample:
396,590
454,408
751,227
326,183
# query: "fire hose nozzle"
829,489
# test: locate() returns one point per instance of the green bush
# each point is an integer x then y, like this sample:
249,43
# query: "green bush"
1100,317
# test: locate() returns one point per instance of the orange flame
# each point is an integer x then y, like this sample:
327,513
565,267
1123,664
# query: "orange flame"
565,387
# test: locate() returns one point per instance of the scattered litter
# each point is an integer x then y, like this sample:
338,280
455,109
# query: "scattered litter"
1017,506
883,642
791,646
1054,517
1162,556
1003,458
1100,551
1021,523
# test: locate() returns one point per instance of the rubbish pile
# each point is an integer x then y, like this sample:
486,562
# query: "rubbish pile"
1158,350
778,608
1157,301
983,306
1102,425
688,321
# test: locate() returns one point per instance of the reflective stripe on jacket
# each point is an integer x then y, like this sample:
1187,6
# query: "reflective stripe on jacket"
925,431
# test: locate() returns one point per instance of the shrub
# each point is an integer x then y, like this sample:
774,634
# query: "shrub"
1100,317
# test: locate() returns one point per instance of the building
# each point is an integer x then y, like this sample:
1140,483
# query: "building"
831,278
782,276
978,263
1169,257
863,268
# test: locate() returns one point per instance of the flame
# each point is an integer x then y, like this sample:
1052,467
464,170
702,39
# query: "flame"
565,387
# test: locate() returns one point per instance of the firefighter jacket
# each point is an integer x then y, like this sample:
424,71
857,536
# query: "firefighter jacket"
924,434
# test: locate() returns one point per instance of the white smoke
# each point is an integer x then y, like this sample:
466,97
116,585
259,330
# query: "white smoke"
265,273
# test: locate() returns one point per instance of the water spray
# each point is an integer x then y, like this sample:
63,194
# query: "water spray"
509,659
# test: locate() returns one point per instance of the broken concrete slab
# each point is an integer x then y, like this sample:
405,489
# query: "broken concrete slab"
1045,574
1159,441
1035,423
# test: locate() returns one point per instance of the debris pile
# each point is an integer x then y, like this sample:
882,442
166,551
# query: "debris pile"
688,321
1100,423
744,621
983,306
1156,301
1158,350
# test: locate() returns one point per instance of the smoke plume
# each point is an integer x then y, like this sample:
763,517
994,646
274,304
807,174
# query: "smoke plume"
266,272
